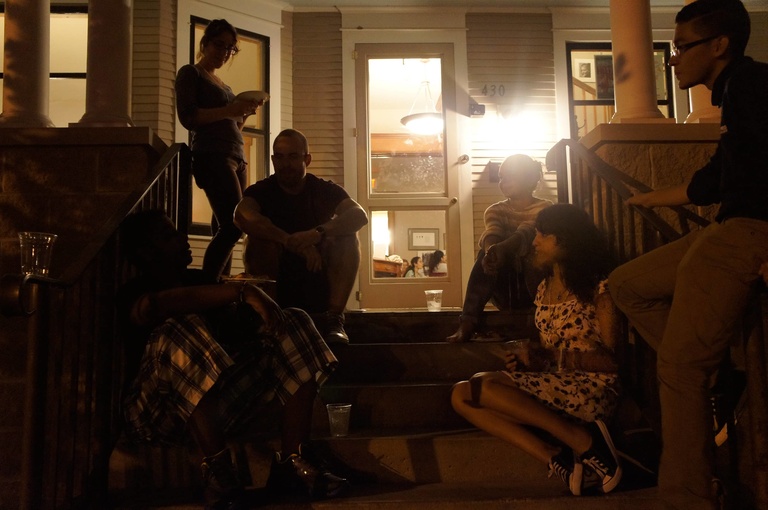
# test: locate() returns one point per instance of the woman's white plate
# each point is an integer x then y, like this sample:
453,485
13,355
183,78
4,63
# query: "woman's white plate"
253,95
246,279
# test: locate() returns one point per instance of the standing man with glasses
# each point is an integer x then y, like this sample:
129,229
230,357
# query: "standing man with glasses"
687,298
302,232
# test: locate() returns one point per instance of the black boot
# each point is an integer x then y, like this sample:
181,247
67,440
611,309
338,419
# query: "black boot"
223,489
296,473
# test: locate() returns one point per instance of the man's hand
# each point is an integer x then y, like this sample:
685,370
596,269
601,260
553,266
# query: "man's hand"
499,254
491,263
270,312
313,258
299,242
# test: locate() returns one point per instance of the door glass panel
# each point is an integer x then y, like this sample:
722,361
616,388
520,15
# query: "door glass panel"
406,159
397,236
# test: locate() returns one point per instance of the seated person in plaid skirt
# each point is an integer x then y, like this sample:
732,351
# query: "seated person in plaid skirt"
203,358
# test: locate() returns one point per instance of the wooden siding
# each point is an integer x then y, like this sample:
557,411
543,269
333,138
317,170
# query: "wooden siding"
154,66
317,90
286,75
516,51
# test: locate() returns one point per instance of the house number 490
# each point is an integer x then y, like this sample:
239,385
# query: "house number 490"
493,90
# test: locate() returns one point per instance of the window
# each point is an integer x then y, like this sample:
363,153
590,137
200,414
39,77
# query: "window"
590,68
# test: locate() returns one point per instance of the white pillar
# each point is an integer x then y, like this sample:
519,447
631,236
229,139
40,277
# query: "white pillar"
700,105
26,70
634,79
108,71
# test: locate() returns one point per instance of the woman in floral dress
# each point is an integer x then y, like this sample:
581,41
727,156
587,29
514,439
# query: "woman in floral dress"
566,383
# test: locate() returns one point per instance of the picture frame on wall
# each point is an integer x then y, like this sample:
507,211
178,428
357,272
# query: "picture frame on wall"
584,69
423,238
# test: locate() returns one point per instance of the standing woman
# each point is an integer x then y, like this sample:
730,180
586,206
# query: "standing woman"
207,108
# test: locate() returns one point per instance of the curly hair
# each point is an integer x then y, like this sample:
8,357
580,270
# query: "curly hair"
585,259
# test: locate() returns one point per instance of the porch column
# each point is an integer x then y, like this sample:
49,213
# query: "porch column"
26,70
634,81
108,83
700,103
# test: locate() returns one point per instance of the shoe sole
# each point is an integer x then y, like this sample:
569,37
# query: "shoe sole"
613,482
576,479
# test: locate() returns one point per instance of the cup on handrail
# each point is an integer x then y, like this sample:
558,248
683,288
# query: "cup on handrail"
36,250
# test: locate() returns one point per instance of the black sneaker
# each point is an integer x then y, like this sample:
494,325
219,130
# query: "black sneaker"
334,329
569,470
602,457
297,473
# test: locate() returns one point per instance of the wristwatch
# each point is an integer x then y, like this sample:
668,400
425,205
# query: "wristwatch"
320,230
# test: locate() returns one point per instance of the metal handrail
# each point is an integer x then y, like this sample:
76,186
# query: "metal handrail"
53,472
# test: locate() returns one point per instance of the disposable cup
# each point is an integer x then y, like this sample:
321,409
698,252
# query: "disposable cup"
338,418
434,300
36,249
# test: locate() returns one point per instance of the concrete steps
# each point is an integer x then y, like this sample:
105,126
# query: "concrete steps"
397,373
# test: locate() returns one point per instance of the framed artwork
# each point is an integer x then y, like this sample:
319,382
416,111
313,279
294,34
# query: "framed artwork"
604,76
584,69
423,238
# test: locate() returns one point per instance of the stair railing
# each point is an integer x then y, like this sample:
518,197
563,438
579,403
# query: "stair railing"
74,356
602,191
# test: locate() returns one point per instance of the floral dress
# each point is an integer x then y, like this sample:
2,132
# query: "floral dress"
571,326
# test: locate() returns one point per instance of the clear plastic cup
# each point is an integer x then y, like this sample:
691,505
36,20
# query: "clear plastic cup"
338,418
36,250
434,300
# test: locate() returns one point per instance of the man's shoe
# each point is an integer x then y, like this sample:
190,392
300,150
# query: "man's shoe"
297,473
602,457
569,469
223,489
334,329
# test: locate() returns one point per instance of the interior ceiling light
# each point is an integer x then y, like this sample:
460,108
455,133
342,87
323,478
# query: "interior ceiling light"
423,118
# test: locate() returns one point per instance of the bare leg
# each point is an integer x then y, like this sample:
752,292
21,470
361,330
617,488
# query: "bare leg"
493,403
297,418
204,426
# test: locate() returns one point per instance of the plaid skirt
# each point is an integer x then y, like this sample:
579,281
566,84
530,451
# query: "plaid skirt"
182,361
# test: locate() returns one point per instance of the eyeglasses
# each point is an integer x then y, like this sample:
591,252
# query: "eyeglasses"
222,46
682,48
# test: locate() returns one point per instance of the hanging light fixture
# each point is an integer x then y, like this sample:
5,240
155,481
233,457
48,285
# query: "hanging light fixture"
423,118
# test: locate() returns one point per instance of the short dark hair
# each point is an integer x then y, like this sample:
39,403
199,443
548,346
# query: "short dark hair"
295,134
719,17
523,162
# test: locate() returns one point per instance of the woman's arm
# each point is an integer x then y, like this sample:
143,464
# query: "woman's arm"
154,307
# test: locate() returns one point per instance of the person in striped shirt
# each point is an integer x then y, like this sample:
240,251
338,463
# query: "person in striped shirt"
502,272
